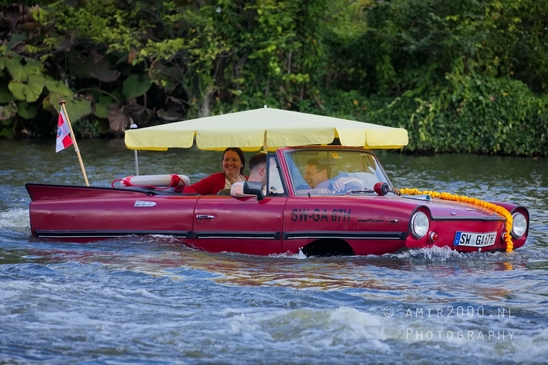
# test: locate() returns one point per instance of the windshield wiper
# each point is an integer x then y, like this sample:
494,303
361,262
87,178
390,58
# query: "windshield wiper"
361,190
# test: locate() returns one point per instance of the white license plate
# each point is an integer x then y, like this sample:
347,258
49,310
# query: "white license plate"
475,239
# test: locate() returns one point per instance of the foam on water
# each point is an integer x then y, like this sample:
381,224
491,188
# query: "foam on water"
15,219
98,306
150,300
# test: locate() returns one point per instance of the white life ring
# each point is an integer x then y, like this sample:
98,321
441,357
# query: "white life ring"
153,181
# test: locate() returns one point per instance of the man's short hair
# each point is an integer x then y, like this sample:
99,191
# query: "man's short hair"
320,165
257,159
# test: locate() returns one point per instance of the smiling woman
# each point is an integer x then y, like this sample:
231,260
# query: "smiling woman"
233,162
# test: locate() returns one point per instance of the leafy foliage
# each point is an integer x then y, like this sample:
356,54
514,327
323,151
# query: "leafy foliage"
465,76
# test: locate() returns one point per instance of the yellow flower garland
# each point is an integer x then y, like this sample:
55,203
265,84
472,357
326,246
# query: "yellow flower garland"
459,198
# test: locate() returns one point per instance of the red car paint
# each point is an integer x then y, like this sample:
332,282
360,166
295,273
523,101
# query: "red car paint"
288,219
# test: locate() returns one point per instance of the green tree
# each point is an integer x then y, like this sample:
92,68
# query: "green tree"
466,76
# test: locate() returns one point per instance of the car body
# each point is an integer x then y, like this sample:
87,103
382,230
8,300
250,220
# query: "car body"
369,218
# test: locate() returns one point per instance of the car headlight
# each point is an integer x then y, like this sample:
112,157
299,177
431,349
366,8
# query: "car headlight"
519,225
419,225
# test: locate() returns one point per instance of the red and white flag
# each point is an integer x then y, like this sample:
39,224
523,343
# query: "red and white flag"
63,134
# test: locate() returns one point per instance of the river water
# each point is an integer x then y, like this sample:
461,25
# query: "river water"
153,301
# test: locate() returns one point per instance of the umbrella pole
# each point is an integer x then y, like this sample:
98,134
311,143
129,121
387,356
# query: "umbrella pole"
136,163
134,126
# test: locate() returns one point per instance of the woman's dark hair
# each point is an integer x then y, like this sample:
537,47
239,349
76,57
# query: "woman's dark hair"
240,154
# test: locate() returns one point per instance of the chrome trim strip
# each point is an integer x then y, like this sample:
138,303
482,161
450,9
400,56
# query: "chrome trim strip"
107,234
144,204
237,235
480,219
347,235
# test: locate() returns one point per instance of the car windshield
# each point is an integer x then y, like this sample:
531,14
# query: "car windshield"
334,171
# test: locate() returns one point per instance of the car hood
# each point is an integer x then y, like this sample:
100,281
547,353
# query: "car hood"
440,208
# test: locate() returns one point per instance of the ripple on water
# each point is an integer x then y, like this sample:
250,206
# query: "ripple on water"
149,299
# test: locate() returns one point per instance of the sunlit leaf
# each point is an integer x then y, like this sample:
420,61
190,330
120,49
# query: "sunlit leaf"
102,106
58,87
136,85
77,109
27,92
15,68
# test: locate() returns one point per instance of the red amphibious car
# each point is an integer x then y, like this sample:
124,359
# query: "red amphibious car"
369,216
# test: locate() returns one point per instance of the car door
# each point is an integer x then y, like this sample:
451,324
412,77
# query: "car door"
246,225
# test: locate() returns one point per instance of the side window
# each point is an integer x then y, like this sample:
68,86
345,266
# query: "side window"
274,182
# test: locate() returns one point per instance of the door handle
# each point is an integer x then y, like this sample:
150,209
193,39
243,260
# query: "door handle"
205,216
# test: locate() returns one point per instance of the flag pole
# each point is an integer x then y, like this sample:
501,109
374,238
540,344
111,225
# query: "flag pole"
62,103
